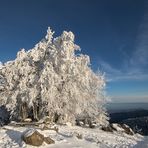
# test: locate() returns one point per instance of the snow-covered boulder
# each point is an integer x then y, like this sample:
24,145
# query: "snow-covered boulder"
117,127
28,120
33,137
122,128
127,129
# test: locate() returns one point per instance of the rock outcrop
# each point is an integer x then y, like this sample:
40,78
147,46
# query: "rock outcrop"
118,128
34,138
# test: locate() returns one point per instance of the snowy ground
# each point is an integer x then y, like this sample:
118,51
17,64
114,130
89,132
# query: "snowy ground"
10,137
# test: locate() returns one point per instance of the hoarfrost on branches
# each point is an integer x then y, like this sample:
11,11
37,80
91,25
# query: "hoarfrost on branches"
52,80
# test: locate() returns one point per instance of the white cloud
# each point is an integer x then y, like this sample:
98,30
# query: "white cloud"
113,74
140,56
134,67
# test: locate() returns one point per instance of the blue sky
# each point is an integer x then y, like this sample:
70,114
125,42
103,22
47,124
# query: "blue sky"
114,33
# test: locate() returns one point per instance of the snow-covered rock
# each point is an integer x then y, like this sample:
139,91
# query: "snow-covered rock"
35,138
127,129
117,127
28,120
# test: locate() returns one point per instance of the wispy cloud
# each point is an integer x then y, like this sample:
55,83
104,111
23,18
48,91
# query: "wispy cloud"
140,56
135,66
113,74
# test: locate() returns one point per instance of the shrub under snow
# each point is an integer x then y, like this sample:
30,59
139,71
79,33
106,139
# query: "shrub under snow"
52,80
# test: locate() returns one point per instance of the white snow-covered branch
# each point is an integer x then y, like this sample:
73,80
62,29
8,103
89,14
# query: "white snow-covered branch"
51,79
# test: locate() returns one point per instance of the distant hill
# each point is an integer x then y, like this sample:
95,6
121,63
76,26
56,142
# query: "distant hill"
124,107
120,116
136,119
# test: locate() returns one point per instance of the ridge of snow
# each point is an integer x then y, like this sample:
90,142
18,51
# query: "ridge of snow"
66,138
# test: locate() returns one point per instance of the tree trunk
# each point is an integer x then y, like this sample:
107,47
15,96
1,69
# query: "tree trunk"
23,111
35,111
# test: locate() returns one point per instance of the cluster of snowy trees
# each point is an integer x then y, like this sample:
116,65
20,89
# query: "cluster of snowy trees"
51,79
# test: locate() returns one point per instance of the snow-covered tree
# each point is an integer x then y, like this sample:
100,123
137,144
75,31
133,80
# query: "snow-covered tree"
51,79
